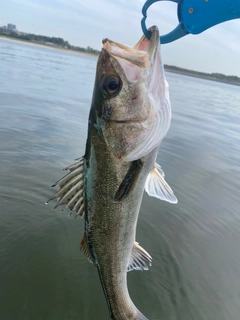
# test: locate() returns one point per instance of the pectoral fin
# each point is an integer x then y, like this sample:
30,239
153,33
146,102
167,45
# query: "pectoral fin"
130,180
156,186
71,192
140,259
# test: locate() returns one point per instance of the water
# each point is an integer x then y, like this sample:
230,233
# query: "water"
45,98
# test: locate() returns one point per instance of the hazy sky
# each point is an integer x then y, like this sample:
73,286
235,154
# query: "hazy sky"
87,22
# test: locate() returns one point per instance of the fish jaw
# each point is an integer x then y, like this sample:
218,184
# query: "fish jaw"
134,121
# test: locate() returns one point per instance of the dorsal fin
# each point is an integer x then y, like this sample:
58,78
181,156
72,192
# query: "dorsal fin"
71,192
140,259
156,186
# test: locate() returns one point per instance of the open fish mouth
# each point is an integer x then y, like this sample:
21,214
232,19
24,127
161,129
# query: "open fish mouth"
141,54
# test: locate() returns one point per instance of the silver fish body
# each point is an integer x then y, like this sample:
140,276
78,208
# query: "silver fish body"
110,223
129,116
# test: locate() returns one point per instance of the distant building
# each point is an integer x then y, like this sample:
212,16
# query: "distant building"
11,27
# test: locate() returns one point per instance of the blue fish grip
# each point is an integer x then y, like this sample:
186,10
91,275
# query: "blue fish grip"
195,16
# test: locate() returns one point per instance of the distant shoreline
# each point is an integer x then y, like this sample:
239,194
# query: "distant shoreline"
32,43
207,76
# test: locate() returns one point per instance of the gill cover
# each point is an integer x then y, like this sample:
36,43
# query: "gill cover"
141,111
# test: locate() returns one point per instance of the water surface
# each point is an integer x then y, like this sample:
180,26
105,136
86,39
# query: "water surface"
45,100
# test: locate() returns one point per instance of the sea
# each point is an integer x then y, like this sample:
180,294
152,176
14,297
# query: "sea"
45,97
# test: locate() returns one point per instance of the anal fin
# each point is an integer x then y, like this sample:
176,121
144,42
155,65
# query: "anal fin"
85,248
140,259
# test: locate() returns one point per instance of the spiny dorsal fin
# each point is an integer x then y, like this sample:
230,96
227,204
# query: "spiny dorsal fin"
85,248
140,259
156,186
71,192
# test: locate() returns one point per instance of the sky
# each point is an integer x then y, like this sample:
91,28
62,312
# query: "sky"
86,22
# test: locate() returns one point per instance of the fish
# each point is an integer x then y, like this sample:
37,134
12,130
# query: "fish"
130,115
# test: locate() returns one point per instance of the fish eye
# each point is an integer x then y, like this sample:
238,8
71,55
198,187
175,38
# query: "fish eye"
111,85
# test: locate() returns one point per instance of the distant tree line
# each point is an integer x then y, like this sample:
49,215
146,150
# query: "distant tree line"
59,42
212,76
48,40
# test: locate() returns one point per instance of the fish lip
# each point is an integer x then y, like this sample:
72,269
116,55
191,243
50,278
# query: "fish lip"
147,45
125,121
143,52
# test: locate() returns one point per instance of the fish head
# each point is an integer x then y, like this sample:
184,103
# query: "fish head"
130,107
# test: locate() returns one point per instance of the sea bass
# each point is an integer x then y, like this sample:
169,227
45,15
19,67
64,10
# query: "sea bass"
130,115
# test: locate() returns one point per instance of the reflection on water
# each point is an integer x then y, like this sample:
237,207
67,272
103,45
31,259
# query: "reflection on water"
45,99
